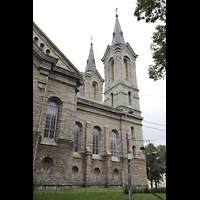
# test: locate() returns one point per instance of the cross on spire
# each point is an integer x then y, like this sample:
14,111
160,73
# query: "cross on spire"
91,39
116,12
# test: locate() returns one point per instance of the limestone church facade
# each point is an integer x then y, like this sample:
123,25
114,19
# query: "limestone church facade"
79,140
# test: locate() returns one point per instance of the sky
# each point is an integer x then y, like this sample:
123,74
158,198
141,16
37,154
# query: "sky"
70,26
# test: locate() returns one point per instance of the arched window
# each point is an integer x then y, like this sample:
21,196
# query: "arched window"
93,91
51,120
132,132
113,144
95,141
76,137
129,98
112,102
113,70
134,151
125,69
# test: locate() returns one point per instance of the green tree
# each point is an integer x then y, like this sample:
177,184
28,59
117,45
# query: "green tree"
152,10
155,162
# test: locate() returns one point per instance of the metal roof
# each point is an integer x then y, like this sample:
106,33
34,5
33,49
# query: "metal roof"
95,101
117,34
91,65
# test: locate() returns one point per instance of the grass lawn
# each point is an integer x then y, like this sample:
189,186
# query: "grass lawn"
92,194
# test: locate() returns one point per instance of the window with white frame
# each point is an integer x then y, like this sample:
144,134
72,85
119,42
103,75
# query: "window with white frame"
113,144
95,141
76,137
51,120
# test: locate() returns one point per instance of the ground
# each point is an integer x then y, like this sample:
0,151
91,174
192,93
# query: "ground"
92,194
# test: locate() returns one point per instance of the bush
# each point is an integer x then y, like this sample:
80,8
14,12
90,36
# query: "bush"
155,190
146,190
163,189
141,190
158,190
35,182
134,190
126,190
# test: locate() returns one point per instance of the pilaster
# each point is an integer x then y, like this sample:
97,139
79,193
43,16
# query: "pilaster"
88,138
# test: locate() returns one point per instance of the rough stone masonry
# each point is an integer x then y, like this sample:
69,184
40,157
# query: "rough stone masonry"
78,140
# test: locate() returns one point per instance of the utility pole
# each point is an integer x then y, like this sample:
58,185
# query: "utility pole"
129,173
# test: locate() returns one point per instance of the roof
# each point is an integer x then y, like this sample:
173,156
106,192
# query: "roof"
96,101
63,61
118,37
91,65
89,75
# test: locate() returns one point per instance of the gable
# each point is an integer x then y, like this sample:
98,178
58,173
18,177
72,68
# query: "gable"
49,48
130,50
94,75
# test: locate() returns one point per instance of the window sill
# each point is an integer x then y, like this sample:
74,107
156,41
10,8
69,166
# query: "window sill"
114,159
96,157
48,141
76,155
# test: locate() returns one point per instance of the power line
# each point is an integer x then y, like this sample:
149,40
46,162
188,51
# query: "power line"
154,128
160,138
151,95
154,123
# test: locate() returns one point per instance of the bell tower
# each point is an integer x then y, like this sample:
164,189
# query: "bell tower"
119,61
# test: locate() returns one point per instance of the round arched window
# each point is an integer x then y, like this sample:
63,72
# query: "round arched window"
96,171
75,170
47,163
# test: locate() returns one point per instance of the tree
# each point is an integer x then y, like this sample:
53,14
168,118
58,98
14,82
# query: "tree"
155,162
152,10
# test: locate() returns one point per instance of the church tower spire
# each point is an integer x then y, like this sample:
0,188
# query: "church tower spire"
91,65
93,82
118,37
119,61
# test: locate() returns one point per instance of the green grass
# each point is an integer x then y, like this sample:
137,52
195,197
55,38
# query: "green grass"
162,195
92,194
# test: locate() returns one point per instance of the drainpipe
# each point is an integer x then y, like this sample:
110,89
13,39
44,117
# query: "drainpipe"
41,114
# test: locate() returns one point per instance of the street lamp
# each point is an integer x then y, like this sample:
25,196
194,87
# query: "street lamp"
129,174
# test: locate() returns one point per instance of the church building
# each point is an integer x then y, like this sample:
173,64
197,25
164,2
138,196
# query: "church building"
79,139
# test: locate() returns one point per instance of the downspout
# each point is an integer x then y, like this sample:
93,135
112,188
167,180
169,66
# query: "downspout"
41,114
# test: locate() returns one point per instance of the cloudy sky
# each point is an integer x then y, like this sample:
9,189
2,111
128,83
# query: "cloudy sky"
71,24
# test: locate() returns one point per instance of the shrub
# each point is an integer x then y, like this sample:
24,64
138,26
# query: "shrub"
35,182
146,190
163,189
141,190
156,190
126,190
134,190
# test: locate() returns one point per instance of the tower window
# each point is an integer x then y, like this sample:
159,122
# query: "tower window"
129,98
112,101
113,69
134,151
125,70
93,91
132,132
51,119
